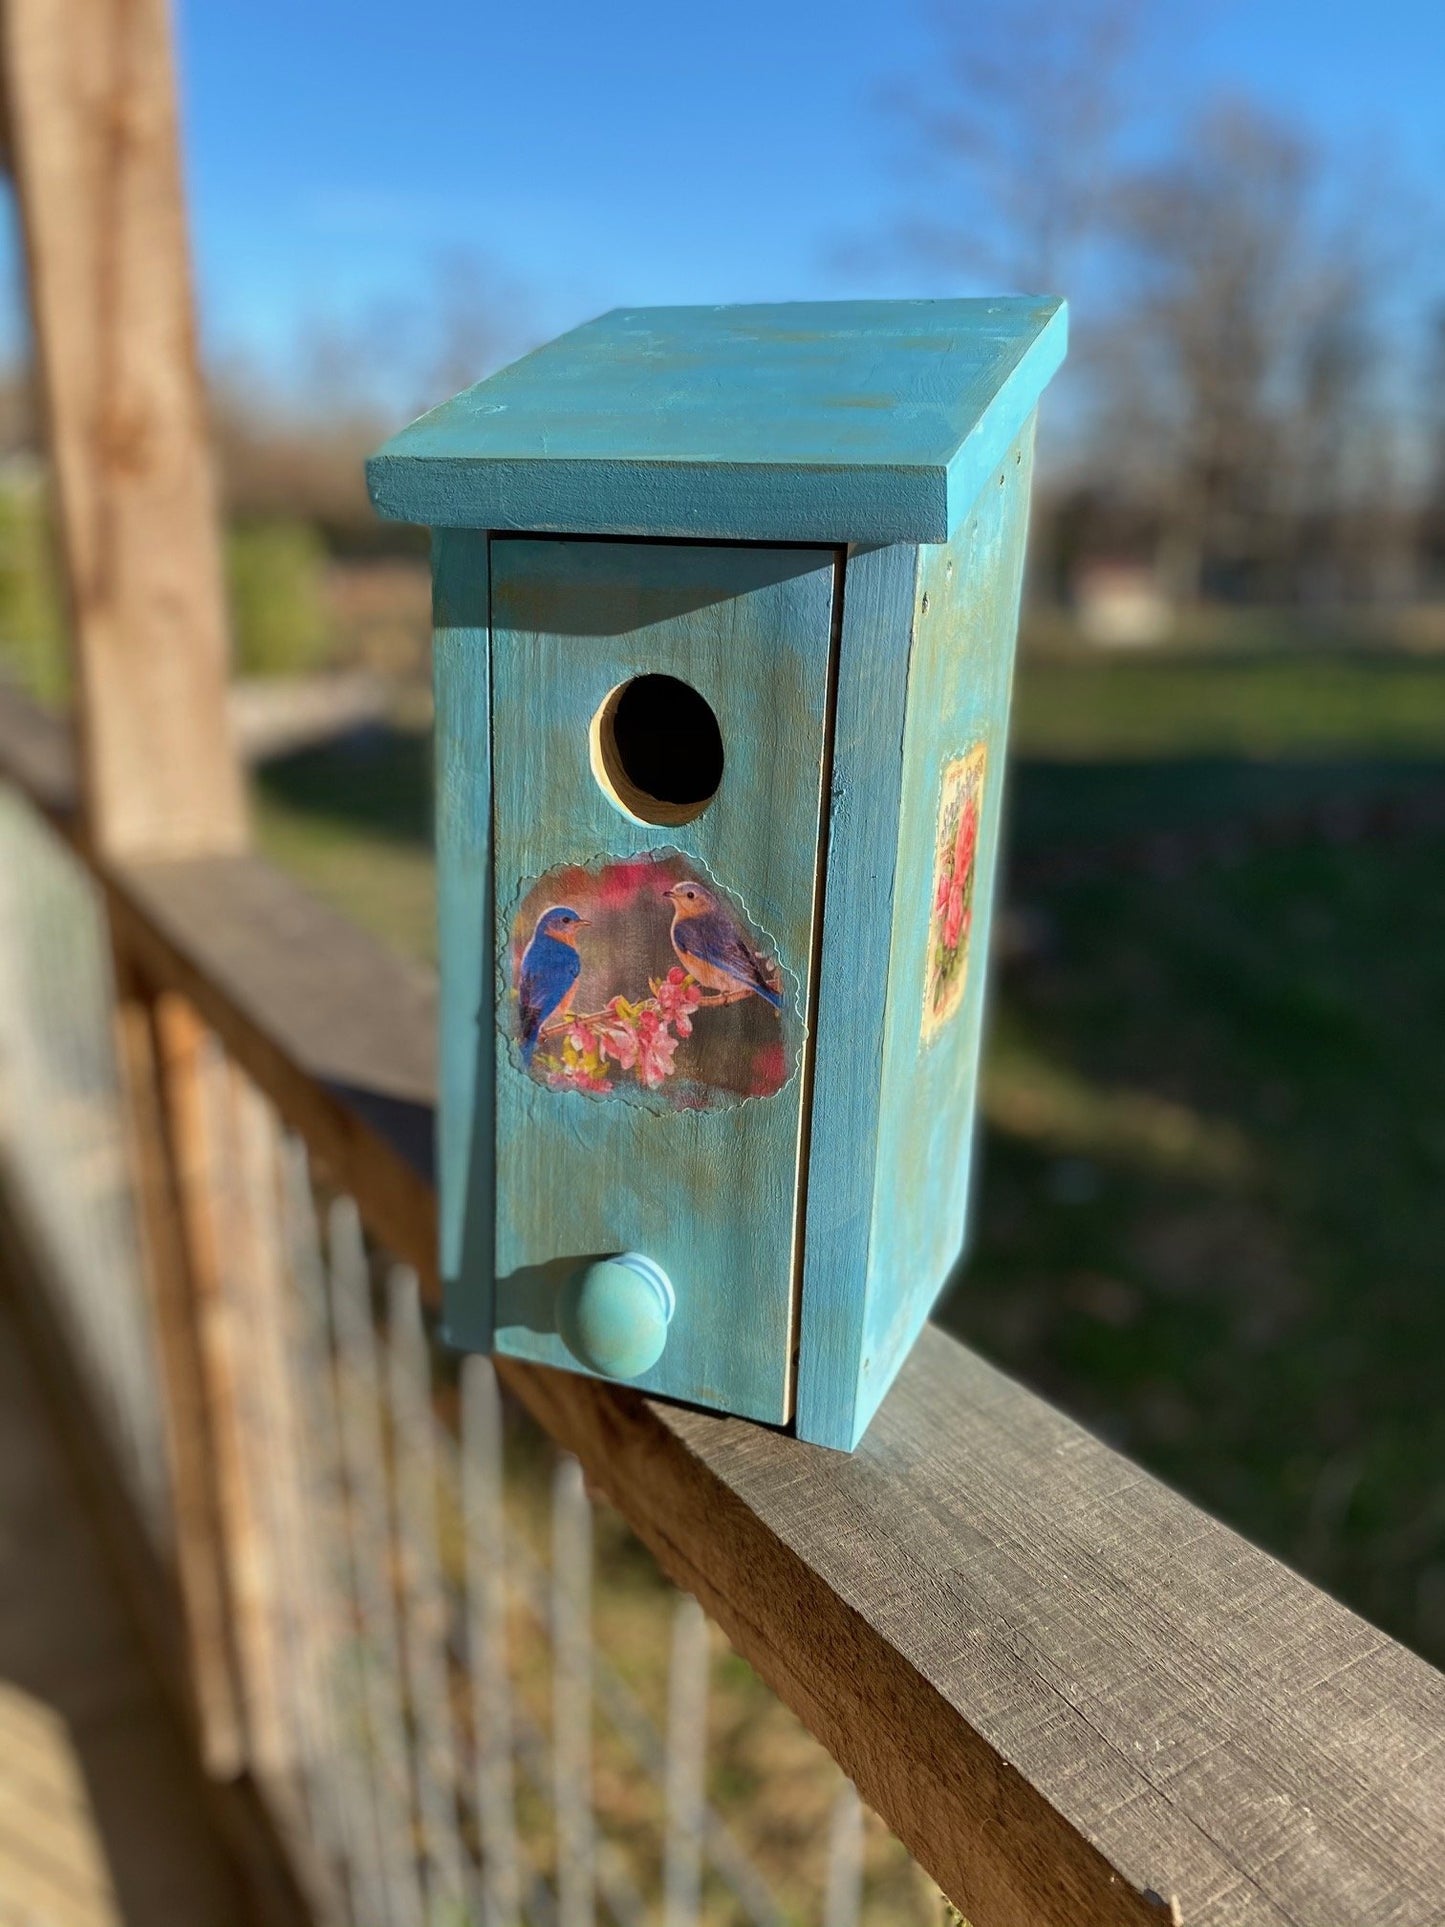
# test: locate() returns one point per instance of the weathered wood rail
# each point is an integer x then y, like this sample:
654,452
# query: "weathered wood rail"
1076,1698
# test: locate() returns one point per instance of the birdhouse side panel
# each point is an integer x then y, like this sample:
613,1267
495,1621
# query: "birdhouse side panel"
651,979
879,609
959,685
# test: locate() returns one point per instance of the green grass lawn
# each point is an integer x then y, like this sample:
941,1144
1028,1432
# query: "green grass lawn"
1210,1210
1268,704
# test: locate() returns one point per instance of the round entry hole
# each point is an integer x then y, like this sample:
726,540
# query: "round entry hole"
657,751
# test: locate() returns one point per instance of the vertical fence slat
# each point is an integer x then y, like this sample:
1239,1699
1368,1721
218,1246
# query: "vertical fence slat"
237,1307
631,1723
686,1765
339,1778
275,1454
158,1039
486,1570
368,1523
284,1479
843,1893
427,1609
572,1696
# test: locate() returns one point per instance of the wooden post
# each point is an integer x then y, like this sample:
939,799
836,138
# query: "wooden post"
91,123
91,112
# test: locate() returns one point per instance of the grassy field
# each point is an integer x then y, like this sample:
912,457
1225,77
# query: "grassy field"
1211,1200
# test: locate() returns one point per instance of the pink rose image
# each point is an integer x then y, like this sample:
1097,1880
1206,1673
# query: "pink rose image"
955,859
966,841
953,921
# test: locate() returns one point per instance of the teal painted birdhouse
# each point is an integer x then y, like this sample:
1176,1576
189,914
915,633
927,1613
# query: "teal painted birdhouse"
725,610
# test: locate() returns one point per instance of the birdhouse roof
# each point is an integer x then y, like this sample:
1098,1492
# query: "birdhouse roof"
847,421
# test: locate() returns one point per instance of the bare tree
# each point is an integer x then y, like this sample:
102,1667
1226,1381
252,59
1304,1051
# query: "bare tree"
1012,137
1224,403
1241,381
294,447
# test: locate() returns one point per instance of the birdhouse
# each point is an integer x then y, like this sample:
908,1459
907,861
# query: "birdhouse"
725,605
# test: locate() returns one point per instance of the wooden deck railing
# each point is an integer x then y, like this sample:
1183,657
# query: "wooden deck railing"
1076,1699
1072,1695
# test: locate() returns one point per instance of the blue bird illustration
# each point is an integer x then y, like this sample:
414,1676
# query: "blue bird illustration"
712,950
547,979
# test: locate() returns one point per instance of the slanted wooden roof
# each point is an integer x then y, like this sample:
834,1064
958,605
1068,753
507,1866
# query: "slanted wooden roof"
848,421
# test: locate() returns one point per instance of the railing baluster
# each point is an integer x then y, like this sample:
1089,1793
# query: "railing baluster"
340,1777
617,1700
486,1569
284,1474
237,1308
572,1695
617,1891
843,1894
686,1765
427,1609
367,1516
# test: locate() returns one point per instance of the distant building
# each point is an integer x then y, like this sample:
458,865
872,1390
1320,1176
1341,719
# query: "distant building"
1120,605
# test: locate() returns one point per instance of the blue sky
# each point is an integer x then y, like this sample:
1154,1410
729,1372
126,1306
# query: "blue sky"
649,152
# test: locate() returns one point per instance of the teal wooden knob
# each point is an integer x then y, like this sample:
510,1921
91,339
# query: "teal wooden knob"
614,1313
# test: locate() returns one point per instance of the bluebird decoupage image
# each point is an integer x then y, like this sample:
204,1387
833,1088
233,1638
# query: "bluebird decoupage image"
643,979
955,852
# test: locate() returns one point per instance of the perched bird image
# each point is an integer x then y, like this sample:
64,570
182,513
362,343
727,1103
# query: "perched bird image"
548,976
711,948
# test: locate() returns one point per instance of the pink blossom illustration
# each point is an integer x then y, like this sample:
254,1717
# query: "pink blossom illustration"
605,1000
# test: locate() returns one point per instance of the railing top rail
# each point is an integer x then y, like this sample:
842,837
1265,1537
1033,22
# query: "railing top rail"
1076,1698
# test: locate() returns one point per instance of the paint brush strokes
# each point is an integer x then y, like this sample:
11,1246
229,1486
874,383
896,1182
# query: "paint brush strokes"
955,858
641,978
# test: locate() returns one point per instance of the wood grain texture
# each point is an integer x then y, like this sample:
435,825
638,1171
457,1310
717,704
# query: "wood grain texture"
709,1194
156,1041
960,676
90,103
849,421
1072,1694
466,1133
866,788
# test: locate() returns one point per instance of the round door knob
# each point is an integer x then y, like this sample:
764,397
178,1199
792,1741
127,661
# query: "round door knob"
613,1314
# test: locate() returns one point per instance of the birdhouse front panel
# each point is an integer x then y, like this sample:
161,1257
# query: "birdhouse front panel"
725,604
659,731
